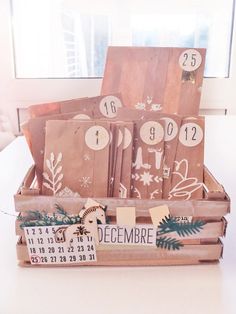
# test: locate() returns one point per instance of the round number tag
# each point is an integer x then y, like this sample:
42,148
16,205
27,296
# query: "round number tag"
97,137
81,116
190,60
171,129
127,138
108,106
120,138
151,132
191,134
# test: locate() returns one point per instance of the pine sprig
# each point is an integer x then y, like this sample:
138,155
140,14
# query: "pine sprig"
37,218
183,229
168,243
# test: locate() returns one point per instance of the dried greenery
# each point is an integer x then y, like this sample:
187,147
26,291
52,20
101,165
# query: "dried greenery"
42,218
170,224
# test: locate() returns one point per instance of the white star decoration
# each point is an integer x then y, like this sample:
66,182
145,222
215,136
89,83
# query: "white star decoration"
86,157
146,178
85,182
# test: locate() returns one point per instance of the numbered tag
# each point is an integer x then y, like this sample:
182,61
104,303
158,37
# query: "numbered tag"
191,134
190,60
151,132
171,129
108,106
127,138
43,248
97,137
82,116
120,138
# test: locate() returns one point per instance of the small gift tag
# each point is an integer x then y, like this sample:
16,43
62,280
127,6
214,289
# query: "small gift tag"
125,216
158,213
44,248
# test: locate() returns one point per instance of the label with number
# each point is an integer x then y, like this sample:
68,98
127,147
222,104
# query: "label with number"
97,137
108,106
43,249
127,138
151,132
191,134
171,129
190,60
81,116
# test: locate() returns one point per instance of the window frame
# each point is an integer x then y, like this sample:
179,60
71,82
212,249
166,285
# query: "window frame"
217,93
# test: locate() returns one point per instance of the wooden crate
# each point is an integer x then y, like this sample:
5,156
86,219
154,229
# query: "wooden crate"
203,247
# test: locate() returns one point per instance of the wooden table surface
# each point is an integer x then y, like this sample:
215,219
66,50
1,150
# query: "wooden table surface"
207,289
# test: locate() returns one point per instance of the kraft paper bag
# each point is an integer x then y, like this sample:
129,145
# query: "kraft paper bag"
76,158
36,133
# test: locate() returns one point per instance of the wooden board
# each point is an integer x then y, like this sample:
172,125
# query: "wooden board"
207,207
211,230
189,254
153,78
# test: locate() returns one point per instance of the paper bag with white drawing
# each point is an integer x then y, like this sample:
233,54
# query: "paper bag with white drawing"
36,129
126,168
118,158
147,172
172,125
76,158
187,176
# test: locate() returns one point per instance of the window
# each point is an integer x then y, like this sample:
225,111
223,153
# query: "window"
57,39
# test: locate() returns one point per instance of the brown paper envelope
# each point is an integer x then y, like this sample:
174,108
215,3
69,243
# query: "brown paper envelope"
76,158
36,131
147,172
156,78
187,177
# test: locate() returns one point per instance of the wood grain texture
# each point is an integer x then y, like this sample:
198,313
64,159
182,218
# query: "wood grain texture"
211,230
192,254
152,76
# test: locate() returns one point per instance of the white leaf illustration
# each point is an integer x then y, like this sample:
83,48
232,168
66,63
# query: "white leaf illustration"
59,187
185,187
52,157
59,169
45,175
48,164
53,182
47,185
59,157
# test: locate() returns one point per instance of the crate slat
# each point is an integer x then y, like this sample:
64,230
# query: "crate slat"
192,254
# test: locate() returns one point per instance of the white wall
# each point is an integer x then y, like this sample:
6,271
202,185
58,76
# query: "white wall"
216,93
